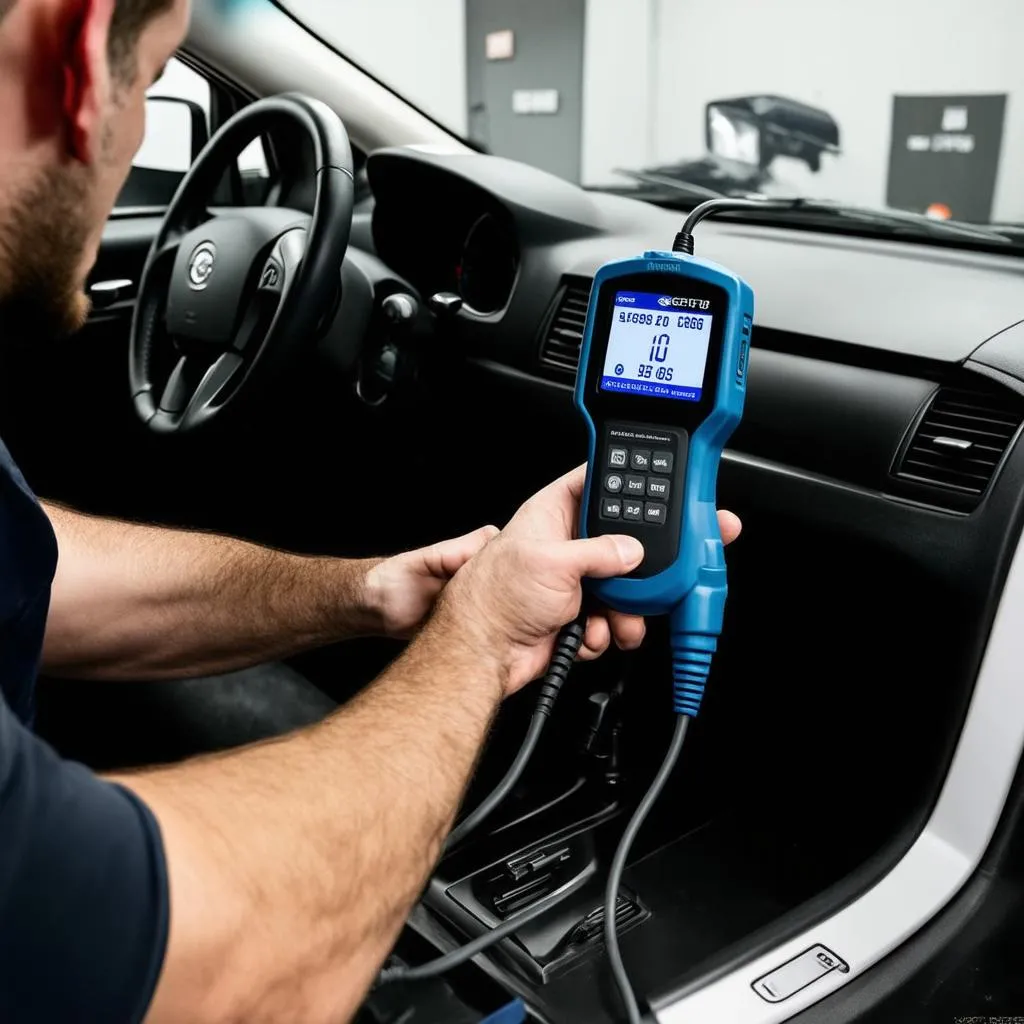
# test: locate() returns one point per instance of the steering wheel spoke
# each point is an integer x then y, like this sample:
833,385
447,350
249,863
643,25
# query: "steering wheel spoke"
180,386
273,287
215,386
272,279
195,389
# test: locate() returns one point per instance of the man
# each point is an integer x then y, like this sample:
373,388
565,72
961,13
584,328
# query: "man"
269,883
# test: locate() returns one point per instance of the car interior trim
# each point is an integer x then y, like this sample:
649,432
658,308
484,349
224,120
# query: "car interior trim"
935,868
999,376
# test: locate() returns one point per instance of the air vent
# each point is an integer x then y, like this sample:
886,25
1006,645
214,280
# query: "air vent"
961,440
626,913
560,348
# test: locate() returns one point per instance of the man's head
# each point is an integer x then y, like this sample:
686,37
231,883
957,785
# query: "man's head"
73,79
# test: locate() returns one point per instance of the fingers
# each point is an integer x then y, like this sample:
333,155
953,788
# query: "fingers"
596,638
628,630
445,558
601,557
730,526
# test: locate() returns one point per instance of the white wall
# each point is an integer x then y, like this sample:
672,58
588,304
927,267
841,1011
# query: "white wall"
849,58
619,88
418,47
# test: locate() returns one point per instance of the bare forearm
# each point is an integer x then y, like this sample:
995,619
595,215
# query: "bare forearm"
133,602
294,864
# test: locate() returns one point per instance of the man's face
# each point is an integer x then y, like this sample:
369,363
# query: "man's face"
51,230
125,122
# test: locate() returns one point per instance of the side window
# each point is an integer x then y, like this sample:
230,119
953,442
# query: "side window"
254,174
178,124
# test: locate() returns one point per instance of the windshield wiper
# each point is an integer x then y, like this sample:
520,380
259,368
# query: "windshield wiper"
893,221
916,223
685,188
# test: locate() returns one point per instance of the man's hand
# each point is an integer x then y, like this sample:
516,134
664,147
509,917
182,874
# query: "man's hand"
400,592
514,596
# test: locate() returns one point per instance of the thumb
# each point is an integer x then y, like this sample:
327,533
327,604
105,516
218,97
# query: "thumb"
602,557
447,557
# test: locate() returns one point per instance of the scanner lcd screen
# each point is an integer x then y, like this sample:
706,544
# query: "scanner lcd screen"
657,346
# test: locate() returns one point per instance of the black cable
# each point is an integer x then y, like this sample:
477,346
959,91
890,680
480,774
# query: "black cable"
567,646
611,893
459,956
501,791
684,240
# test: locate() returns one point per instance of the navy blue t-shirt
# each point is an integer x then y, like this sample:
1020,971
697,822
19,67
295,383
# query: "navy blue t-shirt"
83,884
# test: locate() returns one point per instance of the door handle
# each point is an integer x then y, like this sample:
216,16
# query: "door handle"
105,293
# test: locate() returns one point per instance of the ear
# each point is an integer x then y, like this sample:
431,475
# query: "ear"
87,79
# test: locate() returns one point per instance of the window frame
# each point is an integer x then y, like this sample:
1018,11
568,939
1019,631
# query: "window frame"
226,99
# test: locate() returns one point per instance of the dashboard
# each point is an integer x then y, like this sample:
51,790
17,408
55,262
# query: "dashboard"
447,235
854,339
486,269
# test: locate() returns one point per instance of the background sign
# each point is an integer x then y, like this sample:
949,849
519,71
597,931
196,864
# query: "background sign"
945,154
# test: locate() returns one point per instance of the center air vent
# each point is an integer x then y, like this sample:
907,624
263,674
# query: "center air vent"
560,348
961,440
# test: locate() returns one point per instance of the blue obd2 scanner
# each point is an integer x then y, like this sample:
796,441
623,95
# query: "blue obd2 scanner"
661,384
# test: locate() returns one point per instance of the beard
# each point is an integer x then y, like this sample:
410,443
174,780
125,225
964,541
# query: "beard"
43,235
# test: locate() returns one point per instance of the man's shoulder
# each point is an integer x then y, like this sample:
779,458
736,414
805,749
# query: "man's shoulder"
26,534
10,473
28,561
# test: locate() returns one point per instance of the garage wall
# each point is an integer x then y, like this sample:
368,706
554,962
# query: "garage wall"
418,47
548,58
848,58
620,93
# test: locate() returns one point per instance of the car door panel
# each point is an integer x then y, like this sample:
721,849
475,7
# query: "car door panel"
122,254
64,409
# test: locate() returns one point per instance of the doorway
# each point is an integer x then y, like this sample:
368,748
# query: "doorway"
527,103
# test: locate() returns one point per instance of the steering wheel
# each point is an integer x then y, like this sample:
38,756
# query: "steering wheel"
228,297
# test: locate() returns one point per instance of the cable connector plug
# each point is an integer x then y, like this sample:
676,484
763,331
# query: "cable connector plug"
691,666
696,624
683,243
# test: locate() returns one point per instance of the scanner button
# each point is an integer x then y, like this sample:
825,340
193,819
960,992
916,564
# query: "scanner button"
741,362
658,488
611,508
655,512
617,458
636,486
613,483
632,511
641,460
661,462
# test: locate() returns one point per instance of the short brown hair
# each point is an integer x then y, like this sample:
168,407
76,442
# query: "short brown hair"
130,18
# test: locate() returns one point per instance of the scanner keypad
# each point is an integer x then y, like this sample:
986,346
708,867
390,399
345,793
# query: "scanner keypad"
637,485
637,488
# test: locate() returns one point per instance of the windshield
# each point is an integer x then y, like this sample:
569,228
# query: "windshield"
905,105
